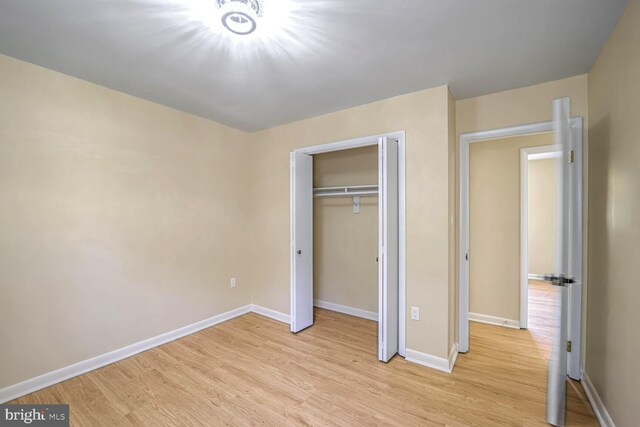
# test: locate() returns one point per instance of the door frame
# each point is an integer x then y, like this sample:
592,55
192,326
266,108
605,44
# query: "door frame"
526,154
576,318
402,219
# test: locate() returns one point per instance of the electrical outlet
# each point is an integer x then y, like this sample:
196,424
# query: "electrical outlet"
233,282
415,313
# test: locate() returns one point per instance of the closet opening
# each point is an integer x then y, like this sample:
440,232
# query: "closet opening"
347,235
345,231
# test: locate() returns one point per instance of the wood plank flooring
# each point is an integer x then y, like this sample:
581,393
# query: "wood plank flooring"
542,305
253,371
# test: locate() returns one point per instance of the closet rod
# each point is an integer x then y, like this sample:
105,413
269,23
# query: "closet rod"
346,191
348,187
353,194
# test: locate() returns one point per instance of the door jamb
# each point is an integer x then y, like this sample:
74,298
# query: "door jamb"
402,219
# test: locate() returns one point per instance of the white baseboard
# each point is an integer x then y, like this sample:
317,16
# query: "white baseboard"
29,386
598,407
271,314
492,320
370,315
439,363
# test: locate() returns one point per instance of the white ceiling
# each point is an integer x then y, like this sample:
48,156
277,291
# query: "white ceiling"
308,57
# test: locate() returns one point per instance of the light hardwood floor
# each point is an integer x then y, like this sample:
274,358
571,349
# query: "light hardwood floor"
252,370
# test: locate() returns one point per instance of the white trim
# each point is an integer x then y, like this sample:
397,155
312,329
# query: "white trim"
493,320
366,141
34,384
271,314
402,246
524,239
351,311
527,154
596,403
434,362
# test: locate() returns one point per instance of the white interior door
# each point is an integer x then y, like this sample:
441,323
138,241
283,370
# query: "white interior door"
301,241
575,252
387,248
561,278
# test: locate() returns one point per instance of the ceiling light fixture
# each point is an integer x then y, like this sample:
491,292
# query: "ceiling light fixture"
240,16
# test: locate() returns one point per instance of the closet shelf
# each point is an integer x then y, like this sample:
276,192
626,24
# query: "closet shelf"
346,191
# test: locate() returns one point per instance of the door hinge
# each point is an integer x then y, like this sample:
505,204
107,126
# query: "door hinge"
568,346
571,156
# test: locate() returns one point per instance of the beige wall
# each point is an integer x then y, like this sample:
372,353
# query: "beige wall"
541,216
613,341
424,116
121,219
515,107
345,244
124,219
494,224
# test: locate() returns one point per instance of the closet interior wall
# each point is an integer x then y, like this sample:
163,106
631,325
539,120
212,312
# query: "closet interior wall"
345,244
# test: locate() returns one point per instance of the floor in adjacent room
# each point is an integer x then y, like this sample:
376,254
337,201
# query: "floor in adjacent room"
252,370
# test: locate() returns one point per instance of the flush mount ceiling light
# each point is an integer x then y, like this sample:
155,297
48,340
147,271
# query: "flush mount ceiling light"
240,16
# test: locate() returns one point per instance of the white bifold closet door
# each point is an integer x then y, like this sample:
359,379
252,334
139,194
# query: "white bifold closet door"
387,248
301,241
